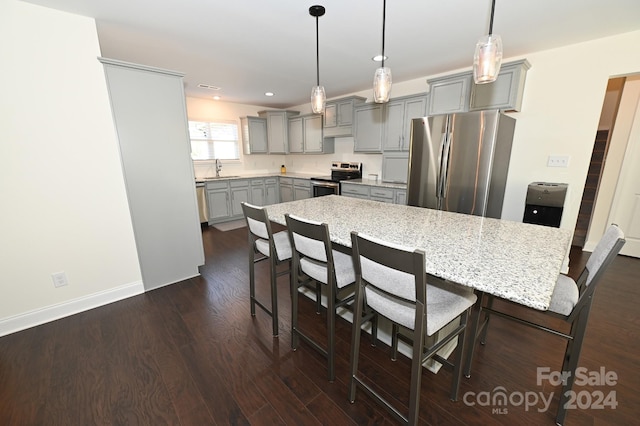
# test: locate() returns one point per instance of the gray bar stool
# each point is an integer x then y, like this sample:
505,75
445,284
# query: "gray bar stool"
264,242
314,260
391,281
571,301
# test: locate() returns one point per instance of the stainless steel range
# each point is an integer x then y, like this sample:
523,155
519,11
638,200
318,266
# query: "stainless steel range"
327,185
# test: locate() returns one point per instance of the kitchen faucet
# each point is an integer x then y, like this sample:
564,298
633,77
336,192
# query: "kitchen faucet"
218,167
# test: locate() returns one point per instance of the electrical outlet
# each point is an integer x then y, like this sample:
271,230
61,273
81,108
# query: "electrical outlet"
59,279
558,161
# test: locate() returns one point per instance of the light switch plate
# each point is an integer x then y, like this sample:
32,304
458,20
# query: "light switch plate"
558,161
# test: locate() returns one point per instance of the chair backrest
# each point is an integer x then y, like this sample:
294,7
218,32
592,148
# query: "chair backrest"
607,249
257,221
395,272
310,238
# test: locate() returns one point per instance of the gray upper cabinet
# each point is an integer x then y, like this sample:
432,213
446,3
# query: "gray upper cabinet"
338,116
254,135
368,127
314,143
505,93
306,136
458,93
277,130
398,115
395,167
449,94
296,135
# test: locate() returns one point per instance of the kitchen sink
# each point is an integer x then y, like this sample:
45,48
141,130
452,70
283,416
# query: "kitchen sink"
220,177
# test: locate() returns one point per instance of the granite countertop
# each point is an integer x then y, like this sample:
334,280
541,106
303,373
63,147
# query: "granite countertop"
512,260
378,182
258,175
295,175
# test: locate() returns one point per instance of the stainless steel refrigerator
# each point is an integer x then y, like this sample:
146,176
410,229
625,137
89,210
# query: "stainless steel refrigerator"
459,162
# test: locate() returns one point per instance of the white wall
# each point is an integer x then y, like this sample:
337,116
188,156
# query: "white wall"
64,206
564,94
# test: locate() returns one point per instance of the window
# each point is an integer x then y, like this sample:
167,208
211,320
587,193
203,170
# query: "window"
214,140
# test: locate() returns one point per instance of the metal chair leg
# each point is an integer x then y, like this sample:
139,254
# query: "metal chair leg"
274,295
355,342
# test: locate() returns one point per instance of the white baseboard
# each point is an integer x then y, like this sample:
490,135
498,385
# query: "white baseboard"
51,313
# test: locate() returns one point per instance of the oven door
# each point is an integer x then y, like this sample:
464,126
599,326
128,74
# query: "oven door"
320,188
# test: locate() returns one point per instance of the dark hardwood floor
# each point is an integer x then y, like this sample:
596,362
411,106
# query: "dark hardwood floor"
190,354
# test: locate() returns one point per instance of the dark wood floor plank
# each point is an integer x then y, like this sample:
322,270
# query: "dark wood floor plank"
290,408
190,354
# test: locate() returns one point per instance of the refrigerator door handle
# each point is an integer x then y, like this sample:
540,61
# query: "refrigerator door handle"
444,170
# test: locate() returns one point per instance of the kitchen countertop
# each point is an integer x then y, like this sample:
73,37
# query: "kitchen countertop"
259,175
512,260
373,182
295,175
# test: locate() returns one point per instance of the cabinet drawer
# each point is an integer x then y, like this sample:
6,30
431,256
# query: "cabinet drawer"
270,181
382,193
286,181
217,185
257,182
238,183
355,189
303,183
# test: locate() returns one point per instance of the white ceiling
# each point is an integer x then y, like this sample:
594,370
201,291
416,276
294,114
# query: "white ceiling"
248,47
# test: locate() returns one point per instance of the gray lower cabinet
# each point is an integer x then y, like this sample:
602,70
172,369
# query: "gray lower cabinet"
301,189
225,200
386,195
258,195
271,191
374,192
218,201
286,189
368,127
254,135
239,190
355,191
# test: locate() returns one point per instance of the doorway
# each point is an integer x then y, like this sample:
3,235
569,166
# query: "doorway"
598,157
617,193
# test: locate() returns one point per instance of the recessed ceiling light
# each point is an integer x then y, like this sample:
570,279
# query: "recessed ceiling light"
378,58
216,98
207,86
269,94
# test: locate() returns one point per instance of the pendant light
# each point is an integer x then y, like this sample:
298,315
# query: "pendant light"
382,77
318,96
488,56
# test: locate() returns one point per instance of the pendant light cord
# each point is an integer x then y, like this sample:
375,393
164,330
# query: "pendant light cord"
384,13
493,7
317,55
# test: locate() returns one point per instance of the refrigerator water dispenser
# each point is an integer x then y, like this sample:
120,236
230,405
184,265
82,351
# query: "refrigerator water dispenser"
544,203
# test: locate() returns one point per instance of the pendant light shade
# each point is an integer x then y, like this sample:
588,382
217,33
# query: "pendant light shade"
382,77
382,85
488,55
318,100
318,96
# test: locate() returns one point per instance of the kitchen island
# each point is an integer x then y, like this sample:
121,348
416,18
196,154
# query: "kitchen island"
515,261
